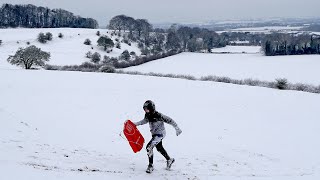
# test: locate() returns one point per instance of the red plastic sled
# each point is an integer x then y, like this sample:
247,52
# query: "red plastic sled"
133,136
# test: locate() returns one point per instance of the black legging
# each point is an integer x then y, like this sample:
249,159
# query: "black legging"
159,148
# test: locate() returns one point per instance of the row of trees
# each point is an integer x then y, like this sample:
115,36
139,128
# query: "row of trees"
125,23
96,57
193,39
31,16
288,44
176,38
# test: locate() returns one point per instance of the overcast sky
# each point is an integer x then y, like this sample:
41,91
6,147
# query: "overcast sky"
182,11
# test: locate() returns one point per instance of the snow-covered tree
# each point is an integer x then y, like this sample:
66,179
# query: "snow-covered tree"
28,57
105,42
125,55
173,41
42,38
143,27
96,57
118,23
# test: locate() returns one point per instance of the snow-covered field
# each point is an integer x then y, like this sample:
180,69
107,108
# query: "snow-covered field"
238,49
317,33
266,29
55,124
297,69
69,50
269,28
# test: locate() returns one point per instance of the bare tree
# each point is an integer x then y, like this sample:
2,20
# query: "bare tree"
28,57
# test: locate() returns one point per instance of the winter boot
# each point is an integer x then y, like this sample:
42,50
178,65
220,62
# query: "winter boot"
150,168
169,163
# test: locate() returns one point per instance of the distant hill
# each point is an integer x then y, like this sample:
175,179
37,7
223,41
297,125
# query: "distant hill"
30,16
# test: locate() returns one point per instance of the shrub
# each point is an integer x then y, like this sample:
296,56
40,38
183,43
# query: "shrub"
118,45
89,54
88,67
106,59
51,67
125,55
300,87
282,83
42,38
49,36
87,42
96,57
132,53
107,69
60,35
251,82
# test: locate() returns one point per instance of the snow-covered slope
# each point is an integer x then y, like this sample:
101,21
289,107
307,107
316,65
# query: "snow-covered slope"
302,69
69,50
65,125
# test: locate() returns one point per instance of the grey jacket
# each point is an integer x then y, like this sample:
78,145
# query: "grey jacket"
156,122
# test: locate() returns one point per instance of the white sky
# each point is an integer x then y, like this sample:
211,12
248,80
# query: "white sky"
182,11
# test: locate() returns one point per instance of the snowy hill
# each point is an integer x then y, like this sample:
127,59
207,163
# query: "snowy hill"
65,125
297,69
69,50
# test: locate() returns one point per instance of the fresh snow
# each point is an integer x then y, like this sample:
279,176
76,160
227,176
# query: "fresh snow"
54,124
66,125
317,33
238,49
69,50
297,69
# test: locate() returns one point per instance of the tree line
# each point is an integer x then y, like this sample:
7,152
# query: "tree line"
291,44
30,16
176,38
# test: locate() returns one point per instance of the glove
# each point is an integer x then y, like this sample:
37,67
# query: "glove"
178,131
